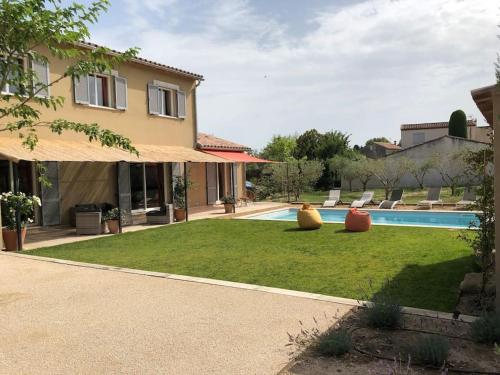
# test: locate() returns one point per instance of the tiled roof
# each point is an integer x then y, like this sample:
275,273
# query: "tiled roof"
433,125
143,61
388,145
211,142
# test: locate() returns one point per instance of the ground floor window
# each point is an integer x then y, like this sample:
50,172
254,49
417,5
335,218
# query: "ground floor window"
147,186
25,171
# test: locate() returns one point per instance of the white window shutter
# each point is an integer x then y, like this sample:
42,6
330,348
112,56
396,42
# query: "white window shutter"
120,93
81,88
181,104
153,93
41,71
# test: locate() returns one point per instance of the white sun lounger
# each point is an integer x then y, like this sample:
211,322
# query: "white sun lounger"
333,198
367,197
433,197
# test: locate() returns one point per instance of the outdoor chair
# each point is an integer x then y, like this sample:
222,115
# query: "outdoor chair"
469,197
333,198
395,198
366,198
433,197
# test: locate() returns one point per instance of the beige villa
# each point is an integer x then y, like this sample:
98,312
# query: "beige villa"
155,106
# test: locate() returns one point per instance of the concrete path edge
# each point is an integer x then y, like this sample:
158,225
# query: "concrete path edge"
231,284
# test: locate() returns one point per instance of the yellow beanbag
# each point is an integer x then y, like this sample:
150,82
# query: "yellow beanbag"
309,218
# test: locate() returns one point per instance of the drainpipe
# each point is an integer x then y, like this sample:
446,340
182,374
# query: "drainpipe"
195,114
118,197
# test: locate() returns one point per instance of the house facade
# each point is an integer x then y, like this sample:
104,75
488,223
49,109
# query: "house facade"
415,134
152,104
377,150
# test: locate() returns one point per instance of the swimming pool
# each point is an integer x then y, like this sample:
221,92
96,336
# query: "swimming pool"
438,219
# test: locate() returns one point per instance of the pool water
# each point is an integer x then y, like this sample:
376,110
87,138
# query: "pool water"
441,219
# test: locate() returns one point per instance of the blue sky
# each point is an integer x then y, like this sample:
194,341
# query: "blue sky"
282,67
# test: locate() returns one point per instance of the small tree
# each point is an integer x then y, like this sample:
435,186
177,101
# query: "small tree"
452,168
389,172
27,25
457,126
301,175
365,171
345,168
420,168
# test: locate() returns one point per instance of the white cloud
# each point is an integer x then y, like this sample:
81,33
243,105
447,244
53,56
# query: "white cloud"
363,69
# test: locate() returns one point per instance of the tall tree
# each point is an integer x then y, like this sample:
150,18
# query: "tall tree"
308,145
457,126
280,148
25,27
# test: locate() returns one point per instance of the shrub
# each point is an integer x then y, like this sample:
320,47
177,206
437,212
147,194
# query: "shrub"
383,313
336,342
457,126
431,350
486,329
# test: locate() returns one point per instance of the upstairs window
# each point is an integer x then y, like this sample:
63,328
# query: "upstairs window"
165,99
40,84
101,91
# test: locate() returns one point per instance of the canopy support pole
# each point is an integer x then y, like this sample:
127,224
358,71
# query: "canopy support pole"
118,197
186,182
18,211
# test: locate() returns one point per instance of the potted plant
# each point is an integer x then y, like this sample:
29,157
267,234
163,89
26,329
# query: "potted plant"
26,206
229,203
111,218
179,199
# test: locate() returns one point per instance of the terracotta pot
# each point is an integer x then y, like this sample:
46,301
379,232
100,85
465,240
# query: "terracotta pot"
179,214
309,218
10,238
358,221
229,208
113,226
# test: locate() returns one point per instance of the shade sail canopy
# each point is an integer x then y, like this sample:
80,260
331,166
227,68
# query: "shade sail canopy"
235,156
63,150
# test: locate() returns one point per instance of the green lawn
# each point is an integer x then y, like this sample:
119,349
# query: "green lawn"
426,265
411,196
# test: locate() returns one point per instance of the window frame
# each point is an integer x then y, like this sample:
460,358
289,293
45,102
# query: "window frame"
21,61
108,90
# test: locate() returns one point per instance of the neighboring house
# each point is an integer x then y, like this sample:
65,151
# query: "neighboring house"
437,148
377,150
151,103
414,134
444,146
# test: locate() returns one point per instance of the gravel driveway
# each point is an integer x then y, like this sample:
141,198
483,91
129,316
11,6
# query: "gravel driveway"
64,319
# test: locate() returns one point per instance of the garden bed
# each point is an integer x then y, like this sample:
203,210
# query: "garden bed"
374,350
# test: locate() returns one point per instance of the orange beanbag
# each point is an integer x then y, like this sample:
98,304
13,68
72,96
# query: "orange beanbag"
358,221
